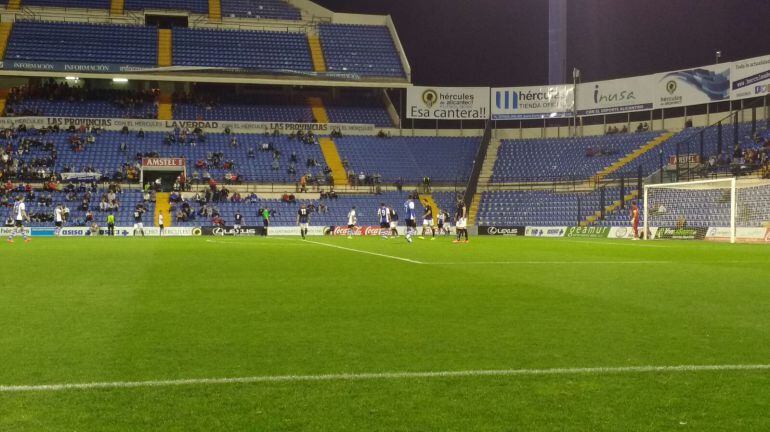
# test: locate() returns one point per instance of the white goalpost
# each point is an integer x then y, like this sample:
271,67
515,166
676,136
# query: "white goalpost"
720,208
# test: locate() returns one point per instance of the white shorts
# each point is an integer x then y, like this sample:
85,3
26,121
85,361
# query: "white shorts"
427,222
236,227
393,224
303,226
462,223
139,225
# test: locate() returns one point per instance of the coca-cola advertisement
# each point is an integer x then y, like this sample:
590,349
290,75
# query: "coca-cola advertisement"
357,231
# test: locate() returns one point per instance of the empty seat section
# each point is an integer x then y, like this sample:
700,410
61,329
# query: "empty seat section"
562,158
359,110
366,50
444,160
194,6
540,208
266,9
232,107
274,52
93,43
87,4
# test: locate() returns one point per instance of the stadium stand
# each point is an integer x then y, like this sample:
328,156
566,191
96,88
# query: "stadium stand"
325,211
538,208
688,142
564,158
358,110
85,43
55,100
249,162
194,6
217,104
360,49
86,4
79,200
278,52
267,9
444,160
207,106
703,208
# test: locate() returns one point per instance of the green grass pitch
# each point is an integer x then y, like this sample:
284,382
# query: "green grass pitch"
86,310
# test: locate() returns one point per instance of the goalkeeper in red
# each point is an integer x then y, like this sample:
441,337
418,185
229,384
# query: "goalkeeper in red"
635,219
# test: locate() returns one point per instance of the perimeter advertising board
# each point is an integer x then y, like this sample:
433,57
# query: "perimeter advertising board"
692,86
750,78
587,232
534,102
447,103
497,230
545,231
616,96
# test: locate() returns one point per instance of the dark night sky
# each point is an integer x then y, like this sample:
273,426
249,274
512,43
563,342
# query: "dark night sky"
505,42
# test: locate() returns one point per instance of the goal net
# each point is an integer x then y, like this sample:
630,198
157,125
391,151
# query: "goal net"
722,209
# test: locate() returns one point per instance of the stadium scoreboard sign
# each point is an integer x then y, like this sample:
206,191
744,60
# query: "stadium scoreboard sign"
447,103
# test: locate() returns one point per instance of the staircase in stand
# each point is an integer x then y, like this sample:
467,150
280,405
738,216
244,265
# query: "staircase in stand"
316,53
163,206
165,48
5,35
333,161
215,11
116,7
627,159
473,211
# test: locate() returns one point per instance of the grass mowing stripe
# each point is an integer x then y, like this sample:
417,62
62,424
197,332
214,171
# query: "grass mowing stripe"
383,376
365,252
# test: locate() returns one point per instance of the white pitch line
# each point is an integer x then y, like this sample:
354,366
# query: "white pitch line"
382,376
547,262
629,243
365,252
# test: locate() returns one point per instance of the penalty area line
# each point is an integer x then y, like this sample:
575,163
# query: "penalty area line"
349,377
364,252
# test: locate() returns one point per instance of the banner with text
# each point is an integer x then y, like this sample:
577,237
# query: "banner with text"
692,86
169,125
587,232
750,78
536,102
496,230
545,231
615,96
447,103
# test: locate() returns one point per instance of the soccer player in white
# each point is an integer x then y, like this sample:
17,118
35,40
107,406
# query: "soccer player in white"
19,216
160,223
352,221
58,219
442,221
